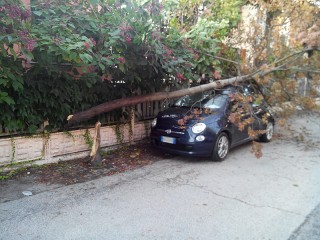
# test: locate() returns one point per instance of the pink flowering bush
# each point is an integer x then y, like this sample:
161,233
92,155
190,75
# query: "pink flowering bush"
111,49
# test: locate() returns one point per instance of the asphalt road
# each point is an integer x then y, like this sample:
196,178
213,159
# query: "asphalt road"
310,229
274,197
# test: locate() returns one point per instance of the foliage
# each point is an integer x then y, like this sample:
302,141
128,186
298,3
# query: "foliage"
11,70
204,24
88,139
113,48
68,56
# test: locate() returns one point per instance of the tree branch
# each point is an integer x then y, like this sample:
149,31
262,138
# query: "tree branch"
262,72
219,58
299,70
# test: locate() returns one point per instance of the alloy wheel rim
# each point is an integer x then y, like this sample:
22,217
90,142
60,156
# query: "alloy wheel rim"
269,131
223,145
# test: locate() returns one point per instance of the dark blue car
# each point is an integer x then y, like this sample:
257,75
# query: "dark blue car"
210,123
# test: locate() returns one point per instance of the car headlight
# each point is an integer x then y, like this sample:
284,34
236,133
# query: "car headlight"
154,122
198,127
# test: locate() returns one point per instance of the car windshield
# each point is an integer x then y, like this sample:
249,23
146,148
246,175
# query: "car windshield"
202,100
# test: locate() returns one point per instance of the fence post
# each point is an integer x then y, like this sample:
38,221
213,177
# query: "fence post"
132,122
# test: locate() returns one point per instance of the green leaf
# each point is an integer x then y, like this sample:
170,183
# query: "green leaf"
11,76
3,81
17,85
73,55
109,62
86,58
121,67
93,25
32,128
29,55
38,13
3,94
102,66
71,25
13,52
84,38
63,9
10,38
3,50
5,98
115,33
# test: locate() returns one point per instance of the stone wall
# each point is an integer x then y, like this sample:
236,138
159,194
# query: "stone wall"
62,146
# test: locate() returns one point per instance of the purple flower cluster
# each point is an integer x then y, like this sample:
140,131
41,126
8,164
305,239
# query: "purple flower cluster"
154,8
124,32
117,5
15,12
93,41
128,38
121,60
180,77
89,44
156,36
126,28
168,52
25,15
45,5
3,30
23,34
29,43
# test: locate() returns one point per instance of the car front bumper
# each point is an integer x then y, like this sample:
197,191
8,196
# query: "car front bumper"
183,146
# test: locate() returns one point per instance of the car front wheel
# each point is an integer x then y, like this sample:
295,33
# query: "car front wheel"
221,148
267,136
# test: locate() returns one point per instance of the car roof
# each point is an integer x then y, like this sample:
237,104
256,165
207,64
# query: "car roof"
238,87
226,89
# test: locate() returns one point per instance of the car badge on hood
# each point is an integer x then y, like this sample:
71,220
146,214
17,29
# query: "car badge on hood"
170,116
168,131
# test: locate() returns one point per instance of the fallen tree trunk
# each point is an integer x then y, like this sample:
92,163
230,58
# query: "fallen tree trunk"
124,102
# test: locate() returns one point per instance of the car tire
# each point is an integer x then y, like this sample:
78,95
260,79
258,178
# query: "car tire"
267,136
221,148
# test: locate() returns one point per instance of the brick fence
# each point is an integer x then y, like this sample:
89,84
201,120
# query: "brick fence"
62,146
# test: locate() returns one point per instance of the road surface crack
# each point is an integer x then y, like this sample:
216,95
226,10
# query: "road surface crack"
204,188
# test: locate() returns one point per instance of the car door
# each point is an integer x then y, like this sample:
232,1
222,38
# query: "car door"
251,111
242,114
258,106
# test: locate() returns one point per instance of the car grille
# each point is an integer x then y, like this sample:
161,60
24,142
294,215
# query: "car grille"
169,131
174,146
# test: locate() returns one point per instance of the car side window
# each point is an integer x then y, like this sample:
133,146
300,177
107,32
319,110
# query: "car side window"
256,98
236,106
216,102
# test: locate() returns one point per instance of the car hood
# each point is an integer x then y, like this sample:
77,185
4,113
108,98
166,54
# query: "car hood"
173,113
